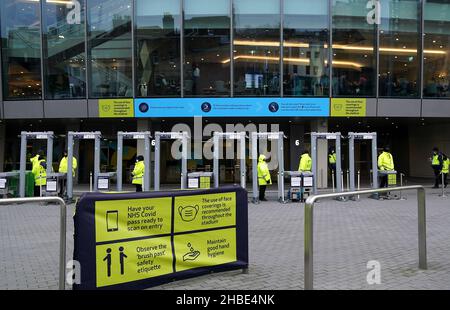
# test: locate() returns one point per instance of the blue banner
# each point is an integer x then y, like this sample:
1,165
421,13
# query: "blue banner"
232,107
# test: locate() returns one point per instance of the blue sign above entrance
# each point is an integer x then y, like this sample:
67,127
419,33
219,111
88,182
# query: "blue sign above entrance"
232,107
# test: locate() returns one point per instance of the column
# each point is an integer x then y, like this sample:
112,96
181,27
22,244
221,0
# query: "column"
321,125
2,145
296,145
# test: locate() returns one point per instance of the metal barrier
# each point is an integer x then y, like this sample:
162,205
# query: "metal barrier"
63,228
308,226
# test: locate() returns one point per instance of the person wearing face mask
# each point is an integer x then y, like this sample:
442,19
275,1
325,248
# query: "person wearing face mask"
138,173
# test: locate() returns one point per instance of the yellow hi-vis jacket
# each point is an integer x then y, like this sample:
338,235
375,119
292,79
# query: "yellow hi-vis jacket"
263,171
305,163
34,159
63,165
138,172
332,158
39,172
385,161
446,165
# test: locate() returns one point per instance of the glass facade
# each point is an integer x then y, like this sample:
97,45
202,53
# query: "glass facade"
305,48
256,48
399,48
110,48
20,24
64,50
158,52
354,41
78,49
436,65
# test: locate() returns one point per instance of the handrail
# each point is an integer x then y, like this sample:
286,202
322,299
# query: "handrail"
308,226
63,228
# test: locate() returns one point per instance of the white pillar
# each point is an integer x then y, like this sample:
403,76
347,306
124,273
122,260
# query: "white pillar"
321,125
142,125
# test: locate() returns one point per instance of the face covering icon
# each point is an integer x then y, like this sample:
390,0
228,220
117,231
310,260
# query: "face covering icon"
188,213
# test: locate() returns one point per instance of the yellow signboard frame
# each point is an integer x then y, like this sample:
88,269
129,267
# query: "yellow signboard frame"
348,107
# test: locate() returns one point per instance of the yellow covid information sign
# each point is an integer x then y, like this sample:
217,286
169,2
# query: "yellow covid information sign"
125,219
115,108
198,212
160,236
348,107
133,260
207,248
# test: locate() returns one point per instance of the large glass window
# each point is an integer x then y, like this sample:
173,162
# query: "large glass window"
256,48
64,49
207,48
305,48
110,48
399,42
436,59
158,48
354,57
21,49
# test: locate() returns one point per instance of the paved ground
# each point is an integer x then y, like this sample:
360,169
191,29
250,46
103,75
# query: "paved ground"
347,236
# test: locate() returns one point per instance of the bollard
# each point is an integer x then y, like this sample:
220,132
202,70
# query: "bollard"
443,188
332,179
342,180
90,181
359,181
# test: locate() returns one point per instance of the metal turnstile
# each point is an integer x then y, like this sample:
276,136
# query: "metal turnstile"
183,136
4,184
24,137
146,136
300,183
255,137
240,136
199,180
328,136
71,136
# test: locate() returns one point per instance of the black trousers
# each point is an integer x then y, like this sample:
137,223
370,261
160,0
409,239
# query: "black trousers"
138,187
383,181
262,192
437,175
37,191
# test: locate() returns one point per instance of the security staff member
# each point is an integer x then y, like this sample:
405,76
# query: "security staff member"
138,173
305,164
436,164
445,168
263,176
40,175
385,163
332,161
39,155
63,166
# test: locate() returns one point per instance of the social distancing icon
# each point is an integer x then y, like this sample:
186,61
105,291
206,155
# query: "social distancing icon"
109,260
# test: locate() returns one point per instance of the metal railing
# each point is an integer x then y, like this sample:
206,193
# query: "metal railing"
308,226
62,229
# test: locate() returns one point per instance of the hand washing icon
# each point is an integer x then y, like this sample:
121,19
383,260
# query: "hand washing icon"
188,213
